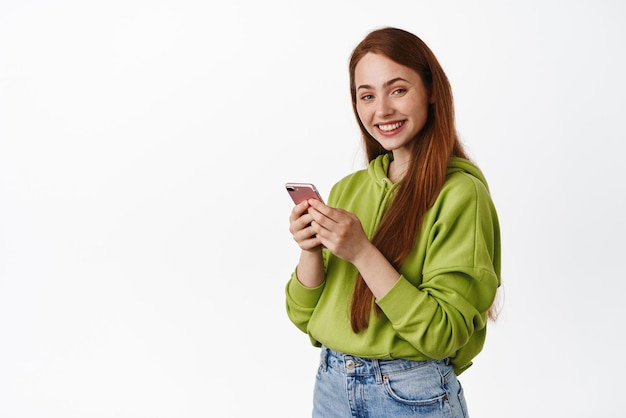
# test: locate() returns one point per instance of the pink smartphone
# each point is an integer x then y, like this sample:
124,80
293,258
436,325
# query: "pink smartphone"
302,191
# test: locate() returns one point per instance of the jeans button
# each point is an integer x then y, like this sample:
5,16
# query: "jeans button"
350,364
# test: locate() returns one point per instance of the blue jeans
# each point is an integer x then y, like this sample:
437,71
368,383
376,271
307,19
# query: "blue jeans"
349,386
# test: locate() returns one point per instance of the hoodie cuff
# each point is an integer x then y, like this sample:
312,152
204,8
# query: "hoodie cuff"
303,296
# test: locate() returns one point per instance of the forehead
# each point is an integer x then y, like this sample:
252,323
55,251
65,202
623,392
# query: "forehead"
376,69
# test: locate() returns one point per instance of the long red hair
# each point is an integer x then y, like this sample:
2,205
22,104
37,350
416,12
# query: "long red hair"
431,150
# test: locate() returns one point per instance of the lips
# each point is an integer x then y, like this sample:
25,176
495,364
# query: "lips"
390,126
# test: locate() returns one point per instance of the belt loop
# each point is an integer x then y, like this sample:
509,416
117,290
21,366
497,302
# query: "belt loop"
377,372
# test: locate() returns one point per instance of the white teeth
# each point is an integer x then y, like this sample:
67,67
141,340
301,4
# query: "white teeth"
390,127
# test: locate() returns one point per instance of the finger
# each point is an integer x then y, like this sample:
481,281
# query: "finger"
310,244
319,206
298,212
325,216
306,239
303,229
299,209
328,211
301,223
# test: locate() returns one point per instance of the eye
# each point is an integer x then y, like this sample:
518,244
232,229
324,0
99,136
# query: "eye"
398,91
367,97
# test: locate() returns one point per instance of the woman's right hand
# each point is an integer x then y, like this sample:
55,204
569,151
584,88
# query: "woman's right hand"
300,228
310,270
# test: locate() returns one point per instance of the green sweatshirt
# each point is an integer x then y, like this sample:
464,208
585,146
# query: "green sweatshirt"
438,307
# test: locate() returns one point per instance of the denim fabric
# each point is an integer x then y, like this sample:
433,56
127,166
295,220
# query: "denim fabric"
349,386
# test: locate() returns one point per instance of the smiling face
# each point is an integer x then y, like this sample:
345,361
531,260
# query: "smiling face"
391,102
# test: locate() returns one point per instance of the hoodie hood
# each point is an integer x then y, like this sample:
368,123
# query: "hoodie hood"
461,165
378,168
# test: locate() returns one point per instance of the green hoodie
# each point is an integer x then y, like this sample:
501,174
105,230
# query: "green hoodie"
438,307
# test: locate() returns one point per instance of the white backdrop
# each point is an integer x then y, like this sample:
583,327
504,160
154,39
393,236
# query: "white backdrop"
143,221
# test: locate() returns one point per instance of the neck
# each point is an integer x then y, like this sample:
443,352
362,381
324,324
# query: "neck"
398,166
397,170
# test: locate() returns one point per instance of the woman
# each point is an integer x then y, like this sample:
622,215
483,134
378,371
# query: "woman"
398,272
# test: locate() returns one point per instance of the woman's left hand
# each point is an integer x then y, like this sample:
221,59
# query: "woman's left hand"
339,231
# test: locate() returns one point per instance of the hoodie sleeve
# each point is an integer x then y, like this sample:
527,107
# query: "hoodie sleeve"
301,301
440,306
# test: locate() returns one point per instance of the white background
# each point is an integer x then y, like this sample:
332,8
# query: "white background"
144,247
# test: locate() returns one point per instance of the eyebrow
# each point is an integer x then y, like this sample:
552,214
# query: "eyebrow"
385,84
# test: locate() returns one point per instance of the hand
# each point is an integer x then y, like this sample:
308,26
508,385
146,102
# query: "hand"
301,229
338,230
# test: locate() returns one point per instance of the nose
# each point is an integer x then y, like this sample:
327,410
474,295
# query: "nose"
384,108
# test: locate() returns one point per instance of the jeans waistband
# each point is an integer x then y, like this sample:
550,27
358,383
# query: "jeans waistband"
361,366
